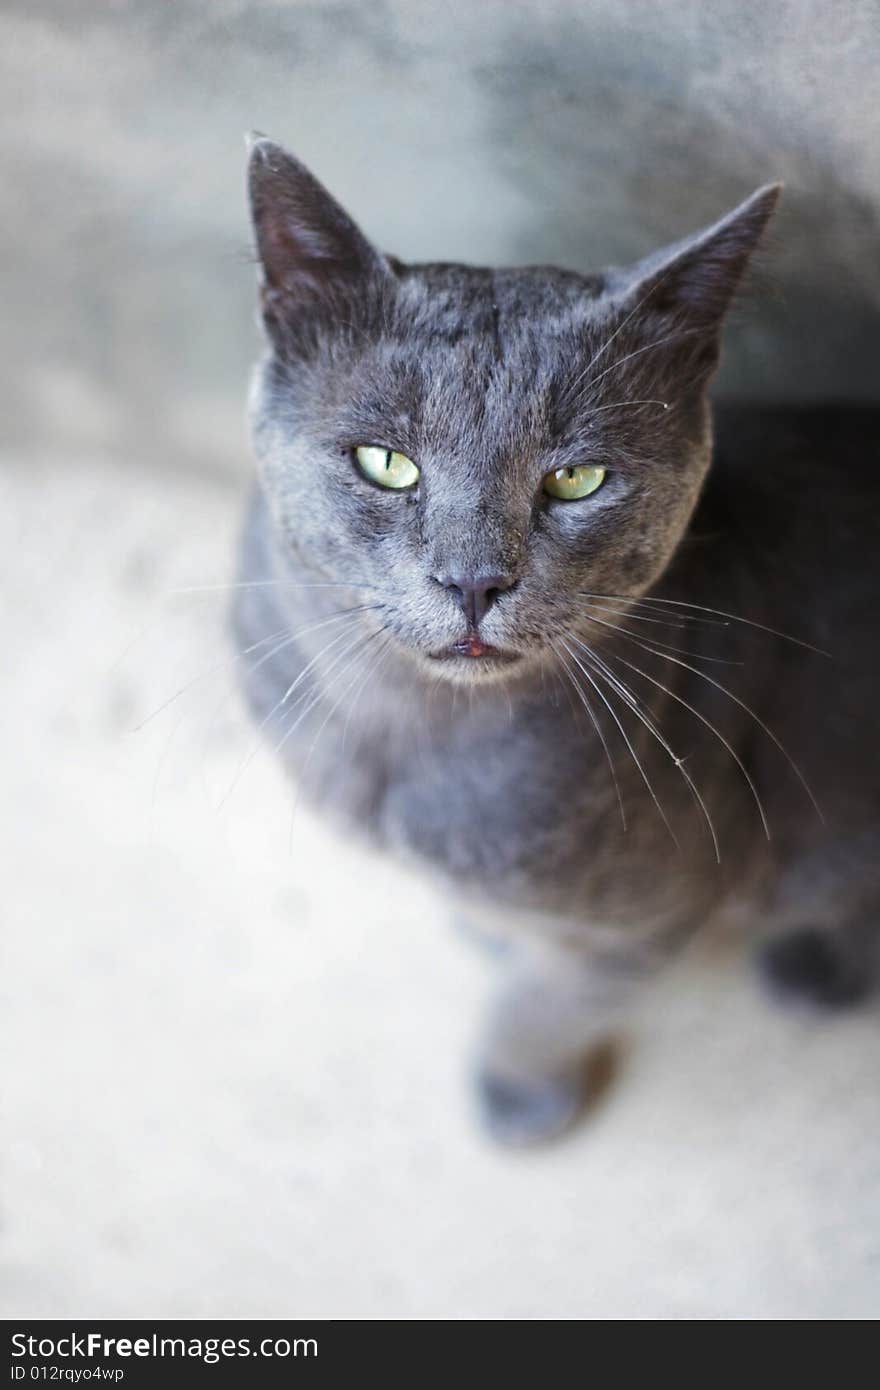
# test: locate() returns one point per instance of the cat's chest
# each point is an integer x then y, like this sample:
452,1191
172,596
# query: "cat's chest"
462,795
511,807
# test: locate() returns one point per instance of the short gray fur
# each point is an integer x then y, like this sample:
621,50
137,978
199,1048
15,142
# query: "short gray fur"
512,781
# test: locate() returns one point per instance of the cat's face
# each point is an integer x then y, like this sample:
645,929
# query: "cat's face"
480,451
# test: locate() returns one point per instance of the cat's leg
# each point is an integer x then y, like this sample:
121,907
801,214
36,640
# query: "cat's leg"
554,1007
828,967
823,947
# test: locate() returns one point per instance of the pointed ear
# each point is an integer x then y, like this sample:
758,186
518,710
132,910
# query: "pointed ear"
694,280
306,243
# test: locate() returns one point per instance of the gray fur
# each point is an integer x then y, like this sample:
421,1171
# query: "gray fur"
495,776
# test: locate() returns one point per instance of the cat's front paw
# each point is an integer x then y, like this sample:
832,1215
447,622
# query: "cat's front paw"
518,1113
809,966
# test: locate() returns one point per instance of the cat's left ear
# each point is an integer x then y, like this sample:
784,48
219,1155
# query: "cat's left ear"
694,280
307,244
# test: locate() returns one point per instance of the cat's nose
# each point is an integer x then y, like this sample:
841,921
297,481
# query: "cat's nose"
475,594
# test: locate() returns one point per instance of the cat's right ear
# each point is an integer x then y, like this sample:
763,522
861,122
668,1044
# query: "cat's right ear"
307,245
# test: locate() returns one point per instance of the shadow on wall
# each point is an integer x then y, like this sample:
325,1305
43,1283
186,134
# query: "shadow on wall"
617,147
571,131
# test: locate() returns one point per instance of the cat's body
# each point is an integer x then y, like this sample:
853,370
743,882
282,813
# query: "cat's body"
576,796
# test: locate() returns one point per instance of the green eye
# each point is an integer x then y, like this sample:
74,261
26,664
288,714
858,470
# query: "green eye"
385,467
570,484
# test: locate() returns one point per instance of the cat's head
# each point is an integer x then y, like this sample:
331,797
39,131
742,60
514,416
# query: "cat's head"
480,449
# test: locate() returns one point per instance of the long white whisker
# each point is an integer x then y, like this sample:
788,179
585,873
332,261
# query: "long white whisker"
752,715
624,632
268,584
659,342
317,627
318,695
371,669
384,651
365,608
284,632
599,730
245,763
625,405
675,618
625,736
357,676
731,617
703,720
218,666
650,724
619,329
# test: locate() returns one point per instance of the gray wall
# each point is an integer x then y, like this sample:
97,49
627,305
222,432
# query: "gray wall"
576,131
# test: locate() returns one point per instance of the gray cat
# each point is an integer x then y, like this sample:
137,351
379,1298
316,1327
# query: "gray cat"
501,618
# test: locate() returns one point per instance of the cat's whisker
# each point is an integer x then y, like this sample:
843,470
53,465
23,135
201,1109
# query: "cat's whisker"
384,653
312,693
680,620
626,405
347,613
356,662
681,623
559,684
328,646
637,352
359,676
668,646
701,717
269,584
351,614
170,594
620,327
632,700
282,632
597,726
564,686
437,683
752,715
321,693
309,666
731,617
421,720
626,738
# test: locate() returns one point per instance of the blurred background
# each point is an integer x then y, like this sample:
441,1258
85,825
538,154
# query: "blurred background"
234,1050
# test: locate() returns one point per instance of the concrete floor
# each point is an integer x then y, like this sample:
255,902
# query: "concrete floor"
234,1053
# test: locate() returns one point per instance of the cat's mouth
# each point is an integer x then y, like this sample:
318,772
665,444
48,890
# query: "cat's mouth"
473,648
